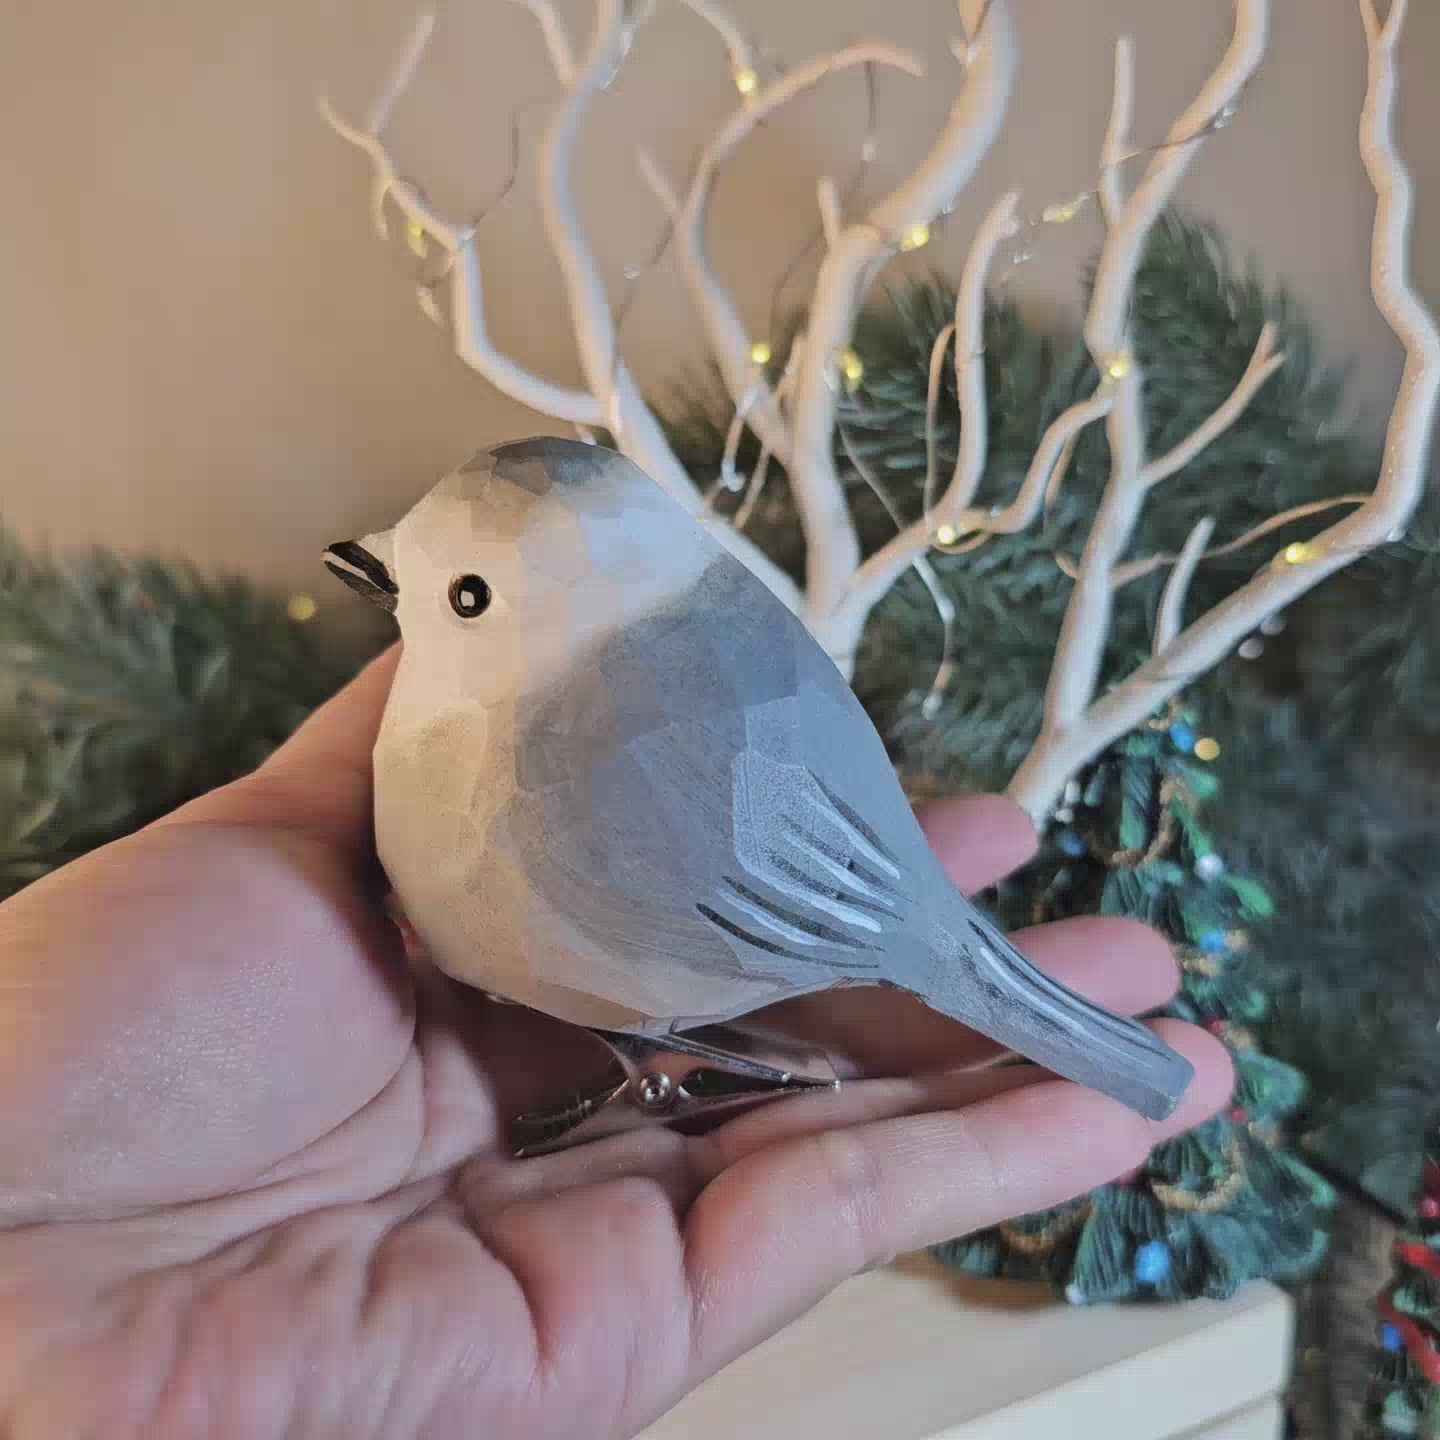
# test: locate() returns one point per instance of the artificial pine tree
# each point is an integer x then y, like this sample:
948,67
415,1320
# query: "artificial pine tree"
1404,1401
1228,1201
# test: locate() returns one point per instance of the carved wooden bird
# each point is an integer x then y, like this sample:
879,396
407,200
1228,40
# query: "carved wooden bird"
619,782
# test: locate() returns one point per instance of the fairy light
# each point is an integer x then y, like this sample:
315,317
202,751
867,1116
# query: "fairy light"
760,353
946,535
1064,211
915,237
1297,553
746,80
419,242
1118,366
852,368
301,607
1207,749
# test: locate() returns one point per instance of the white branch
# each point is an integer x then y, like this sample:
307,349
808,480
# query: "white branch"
725,332
624,411
829,202
636,430
659,182
737,43
1122,575
1117,132
1051,459
611,399
1106,322
762,464
832,547
1171,614
1086,625
1048,464
378,116
997,227
557,39
472,341
1264,362
474,346
1398,489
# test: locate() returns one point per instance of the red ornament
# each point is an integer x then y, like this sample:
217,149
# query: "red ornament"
1215,1027
1237,1115
1428,1208
1421,1257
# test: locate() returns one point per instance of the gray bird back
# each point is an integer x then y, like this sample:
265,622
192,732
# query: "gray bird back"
706,796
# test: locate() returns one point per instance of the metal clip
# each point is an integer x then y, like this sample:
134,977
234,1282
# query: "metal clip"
669,1079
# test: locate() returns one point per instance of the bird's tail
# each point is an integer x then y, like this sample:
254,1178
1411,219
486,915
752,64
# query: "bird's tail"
978,977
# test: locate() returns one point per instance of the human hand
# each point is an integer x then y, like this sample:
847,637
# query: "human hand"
252,1175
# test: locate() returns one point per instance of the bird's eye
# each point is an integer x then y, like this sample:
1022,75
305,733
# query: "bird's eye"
469,596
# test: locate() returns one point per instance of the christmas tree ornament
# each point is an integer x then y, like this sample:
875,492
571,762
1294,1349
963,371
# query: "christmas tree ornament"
617,781
1404,1397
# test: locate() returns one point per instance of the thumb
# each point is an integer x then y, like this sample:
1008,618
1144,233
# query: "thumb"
319,781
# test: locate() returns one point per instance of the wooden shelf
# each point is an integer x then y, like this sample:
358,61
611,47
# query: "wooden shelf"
916,1352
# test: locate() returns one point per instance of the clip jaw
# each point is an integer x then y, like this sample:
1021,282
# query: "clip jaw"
673,1078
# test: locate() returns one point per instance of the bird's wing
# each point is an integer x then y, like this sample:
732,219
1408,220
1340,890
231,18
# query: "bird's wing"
707,777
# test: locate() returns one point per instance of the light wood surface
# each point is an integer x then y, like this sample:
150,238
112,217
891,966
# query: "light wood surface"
1265,1421
914,1352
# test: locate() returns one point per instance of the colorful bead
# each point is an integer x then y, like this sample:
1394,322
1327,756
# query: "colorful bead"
1152,1262
1070,843
1210,867
1182,737
1213,942
1391,1338
1429,1208
1237,1115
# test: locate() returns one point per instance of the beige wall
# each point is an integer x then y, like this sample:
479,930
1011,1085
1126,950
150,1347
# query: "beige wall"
207,349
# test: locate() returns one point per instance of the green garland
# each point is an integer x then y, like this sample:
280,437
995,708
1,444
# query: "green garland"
127,687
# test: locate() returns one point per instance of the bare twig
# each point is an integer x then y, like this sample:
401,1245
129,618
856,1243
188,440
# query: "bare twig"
903,216
1064,748
1172,598
730,344
1264,362
1117,133
1130,570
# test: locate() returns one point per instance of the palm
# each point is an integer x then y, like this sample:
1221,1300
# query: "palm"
252,1177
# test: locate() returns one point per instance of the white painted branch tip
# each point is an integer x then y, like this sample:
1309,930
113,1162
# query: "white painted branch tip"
1264,362
1117,131
379,114
737,43
1186,653
829,203
998,226
659,182
557,39
1172,599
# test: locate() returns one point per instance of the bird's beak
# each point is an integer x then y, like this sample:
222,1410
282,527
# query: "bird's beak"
367,567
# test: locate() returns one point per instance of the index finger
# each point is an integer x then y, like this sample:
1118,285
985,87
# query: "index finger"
979,839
